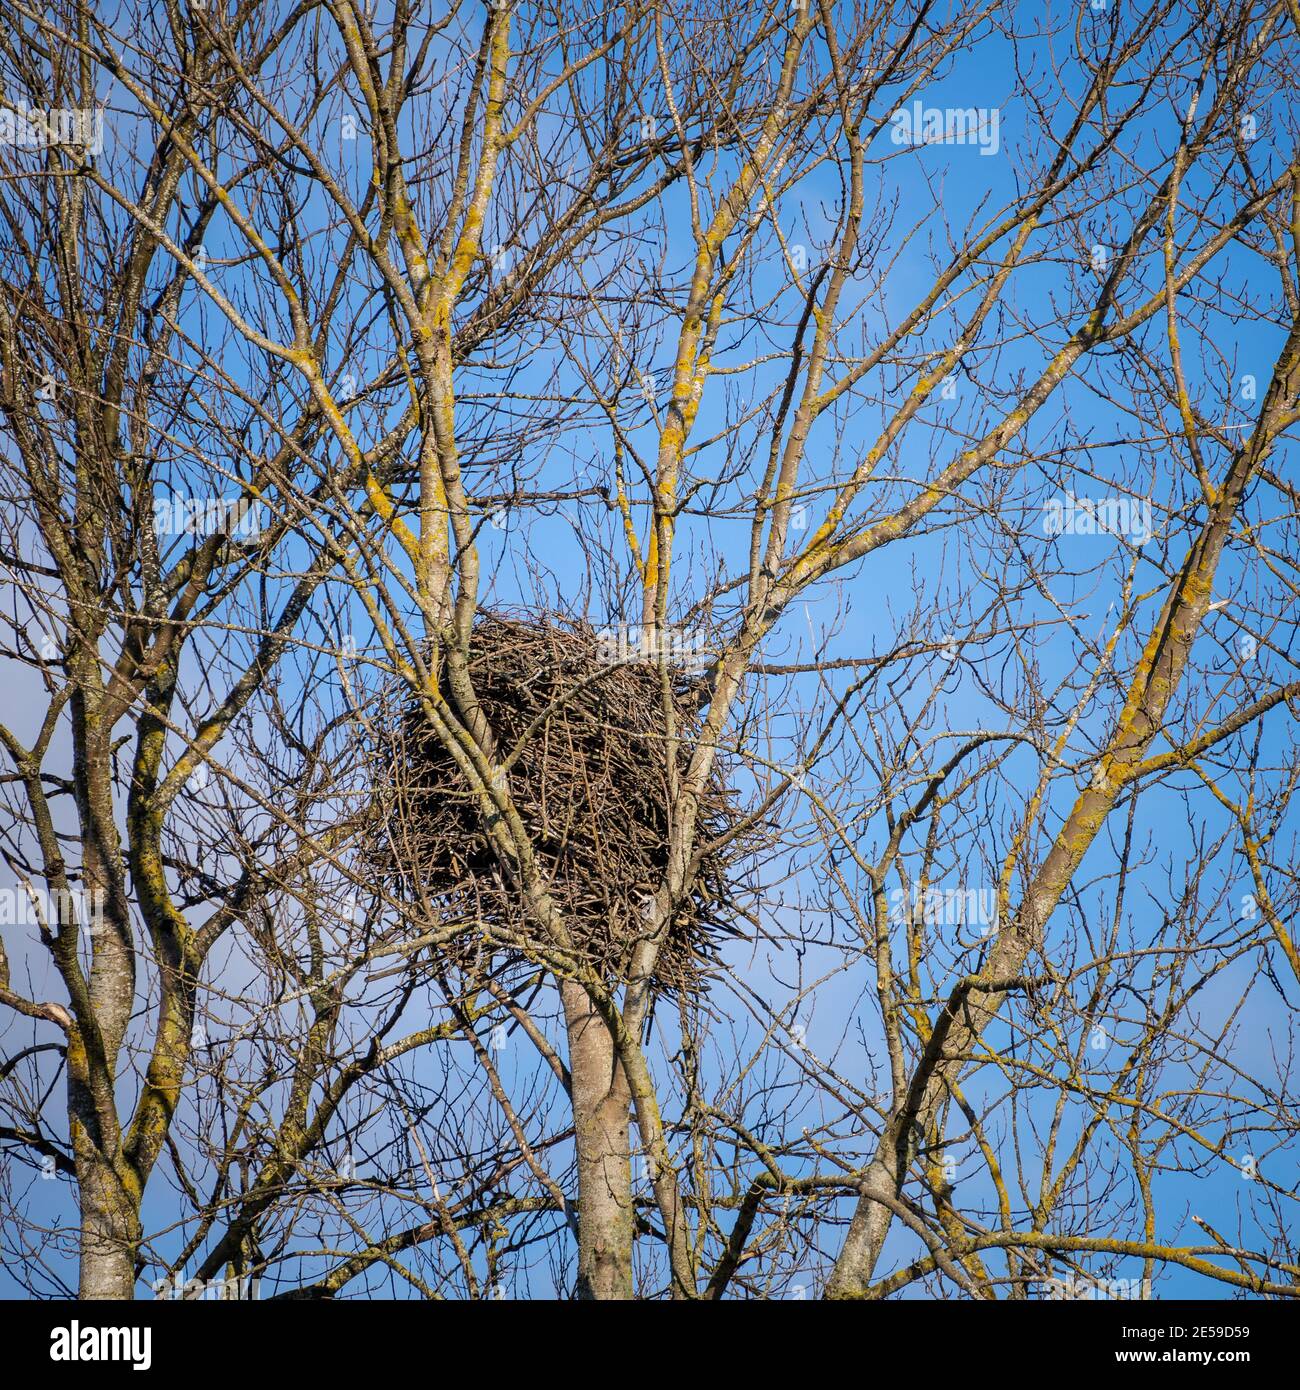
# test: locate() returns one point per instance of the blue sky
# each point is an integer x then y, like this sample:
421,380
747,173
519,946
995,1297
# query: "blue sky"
930,589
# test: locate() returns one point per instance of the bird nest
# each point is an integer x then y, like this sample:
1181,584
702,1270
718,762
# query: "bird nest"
585,739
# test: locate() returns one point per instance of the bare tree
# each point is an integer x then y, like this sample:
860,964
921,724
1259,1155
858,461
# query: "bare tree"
698,474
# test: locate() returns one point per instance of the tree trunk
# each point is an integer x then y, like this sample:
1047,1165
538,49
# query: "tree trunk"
866,1236
110,1233
601,1102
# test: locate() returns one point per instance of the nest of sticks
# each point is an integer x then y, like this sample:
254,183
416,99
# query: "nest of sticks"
591,784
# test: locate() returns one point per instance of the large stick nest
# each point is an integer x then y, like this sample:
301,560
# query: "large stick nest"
591,785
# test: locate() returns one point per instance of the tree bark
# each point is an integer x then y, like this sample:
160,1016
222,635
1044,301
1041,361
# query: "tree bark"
601,1101
110,1232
